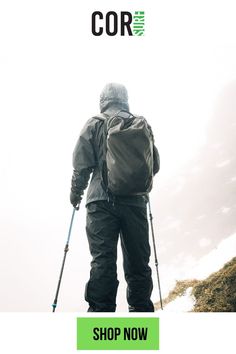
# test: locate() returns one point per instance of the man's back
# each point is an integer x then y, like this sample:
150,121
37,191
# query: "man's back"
110,217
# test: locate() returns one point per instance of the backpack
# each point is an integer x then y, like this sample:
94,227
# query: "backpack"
127,157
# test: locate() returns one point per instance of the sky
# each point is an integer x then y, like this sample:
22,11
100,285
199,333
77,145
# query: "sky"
52,71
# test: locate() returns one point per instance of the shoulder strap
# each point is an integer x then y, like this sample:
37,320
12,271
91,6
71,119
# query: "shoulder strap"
102,162
124,114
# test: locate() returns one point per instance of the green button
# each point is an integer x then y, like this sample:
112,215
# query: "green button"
119,333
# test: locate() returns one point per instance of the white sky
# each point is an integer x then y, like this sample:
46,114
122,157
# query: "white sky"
51,73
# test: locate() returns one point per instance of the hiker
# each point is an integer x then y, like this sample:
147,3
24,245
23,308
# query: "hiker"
115,213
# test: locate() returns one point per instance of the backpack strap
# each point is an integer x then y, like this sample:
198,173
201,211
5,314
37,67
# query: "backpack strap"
102,163
124,114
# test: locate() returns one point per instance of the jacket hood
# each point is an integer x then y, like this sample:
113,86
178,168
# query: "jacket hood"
114,94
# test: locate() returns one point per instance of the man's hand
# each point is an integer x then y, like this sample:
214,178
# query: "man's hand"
75,200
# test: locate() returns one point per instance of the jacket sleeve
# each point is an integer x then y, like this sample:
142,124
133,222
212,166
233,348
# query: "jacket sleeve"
156,156
84,160
156,160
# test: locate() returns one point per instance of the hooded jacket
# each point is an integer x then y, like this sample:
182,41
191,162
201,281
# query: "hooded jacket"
88,151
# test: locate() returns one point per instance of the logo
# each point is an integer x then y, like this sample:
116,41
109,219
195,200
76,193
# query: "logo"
124,23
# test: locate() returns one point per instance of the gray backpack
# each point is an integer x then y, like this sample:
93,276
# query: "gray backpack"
127,157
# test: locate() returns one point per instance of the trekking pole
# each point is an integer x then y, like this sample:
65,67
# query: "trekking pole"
66,249
155,252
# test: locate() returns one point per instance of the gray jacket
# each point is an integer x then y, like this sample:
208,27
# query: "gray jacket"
85,161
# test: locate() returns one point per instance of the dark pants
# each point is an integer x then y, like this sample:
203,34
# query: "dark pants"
105,222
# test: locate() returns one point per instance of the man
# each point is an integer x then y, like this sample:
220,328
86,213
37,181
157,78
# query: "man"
109,217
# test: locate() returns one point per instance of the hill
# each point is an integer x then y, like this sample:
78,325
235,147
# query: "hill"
217,293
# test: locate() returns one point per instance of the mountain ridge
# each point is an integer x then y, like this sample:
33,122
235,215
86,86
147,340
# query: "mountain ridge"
216,293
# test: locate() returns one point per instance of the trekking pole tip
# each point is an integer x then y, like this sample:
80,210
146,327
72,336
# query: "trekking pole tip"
54,307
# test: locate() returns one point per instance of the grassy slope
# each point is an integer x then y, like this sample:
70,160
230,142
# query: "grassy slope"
217,293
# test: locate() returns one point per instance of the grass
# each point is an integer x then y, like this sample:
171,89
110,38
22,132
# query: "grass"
217,293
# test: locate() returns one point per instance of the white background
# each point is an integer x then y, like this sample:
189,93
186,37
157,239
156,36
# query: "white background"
179,333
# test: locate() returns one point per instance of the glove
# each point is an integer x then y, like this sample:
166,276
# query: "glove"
75,200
